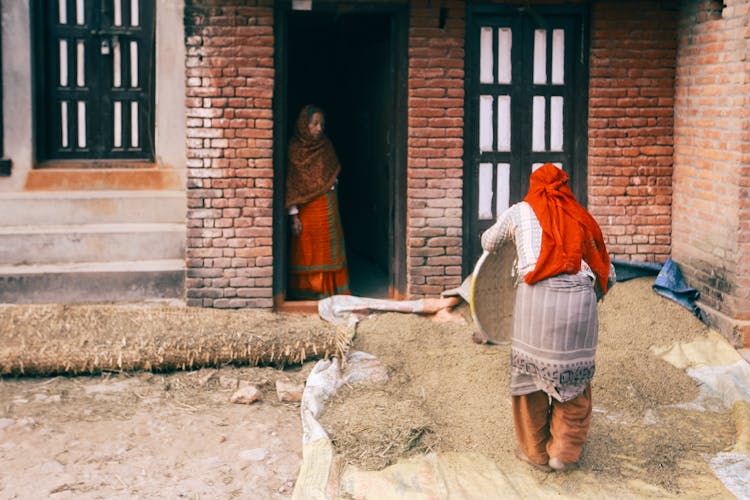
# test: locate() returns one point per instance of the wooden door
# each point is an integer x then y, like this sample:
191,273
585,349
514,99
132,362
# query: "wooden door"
97,73
526,105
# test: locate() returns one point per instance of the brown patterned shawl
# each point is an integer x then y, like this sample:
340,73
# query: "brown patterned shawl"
312,165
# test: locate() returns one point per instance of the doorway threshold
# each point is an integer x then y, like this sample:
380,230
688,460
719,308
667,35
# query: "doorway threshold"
308,307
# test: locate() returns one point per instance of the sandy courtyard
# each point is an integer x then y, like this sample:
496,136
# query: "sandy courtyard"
177,435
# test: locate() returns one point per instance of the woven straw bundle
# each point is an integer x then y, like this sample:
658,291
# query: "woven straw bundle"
493,293
60,339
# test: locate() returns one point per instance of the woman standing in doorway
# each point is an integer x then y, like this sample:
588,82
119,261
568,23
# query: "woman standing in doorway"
317,256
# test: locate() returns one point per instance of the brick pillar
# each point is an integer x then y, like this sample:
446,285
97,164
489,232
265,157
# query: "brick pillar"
631,98
435,147
230,77
711,222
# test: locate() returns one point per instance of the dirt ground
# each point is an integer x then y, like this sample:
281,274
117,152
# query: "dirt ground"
176,435
147,435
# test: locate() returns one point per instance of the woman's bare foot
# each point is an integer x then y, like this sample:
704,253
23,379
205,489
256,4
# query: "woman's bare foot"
558,465
446,315
431,306
479,338
522,456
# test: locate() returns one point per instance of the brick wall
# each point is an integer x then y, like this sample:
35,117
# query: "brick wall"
631,98
711,222
435,147
230,76
230,72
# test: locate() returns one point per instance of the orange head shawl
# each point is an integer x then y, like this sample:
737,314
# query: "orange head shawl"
312,166
569,232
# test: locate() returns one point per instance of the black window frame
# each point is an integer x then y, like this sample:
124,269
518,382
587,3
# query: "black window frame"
100,151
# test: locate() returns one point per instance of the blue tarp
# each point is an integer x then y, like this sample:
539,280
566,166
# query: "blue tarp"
628,270
669,282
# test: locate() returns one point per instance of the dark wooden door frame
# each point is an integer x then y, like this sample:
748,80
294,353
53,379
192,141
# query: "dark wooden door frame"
399,15
578,138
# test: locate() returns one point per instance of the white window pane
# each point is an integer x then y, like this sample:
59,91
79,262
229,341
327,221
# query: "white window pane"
62,10
81,124
134,64
134,124
485,191
503,123
486,71
116,65
118,125
504,42
118,13
537,124
485,123
80,61
80,14
63,63
64,123
503,187
556,124
134,13
558,57
540,56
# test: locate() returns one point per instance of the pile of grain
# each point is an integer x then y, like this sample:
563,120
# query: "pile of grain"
448,394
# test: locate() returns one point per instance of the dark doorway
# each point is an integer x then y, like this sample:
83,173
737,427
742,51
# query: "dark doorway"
347,63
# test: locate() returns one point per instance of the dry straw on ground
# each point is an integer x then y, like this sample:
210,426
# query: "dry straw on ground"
58,339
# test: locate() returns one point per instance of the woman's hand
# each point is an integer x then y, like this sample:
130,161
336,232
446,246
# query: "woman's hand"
296,224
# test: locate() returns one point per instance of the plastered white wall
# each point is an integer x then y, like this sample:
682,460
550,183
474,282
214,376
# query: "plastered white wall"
17,106
170,84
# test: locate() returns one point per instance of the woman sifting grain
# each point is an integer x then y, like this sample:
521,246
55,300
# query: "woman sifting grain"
561,259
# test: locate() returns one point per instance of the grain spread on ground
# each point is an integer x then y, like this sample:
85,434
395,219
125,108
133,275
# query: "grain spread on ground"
447,393
177,434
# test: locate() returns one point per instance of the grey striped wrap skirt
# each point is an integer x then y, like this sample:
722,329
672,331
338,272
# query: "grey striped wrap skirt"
555,333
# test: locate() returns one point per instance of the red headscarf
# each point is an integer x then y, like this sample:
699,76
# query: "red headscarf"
313,165
569,232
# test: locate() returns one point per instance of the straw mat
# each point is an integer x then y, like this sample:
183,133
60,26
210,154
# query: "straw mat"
64,339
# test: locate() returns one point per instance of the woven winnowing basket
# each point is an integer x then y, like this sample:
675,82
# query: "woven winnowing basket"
493,293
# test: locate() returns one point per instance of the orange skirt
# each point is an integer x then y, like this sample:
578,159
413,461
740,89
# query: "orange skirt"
317,257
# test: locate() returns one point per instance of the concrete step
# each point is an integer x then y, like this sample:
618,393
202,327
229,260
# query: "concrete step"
50,244
115,244
93,282
85,207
